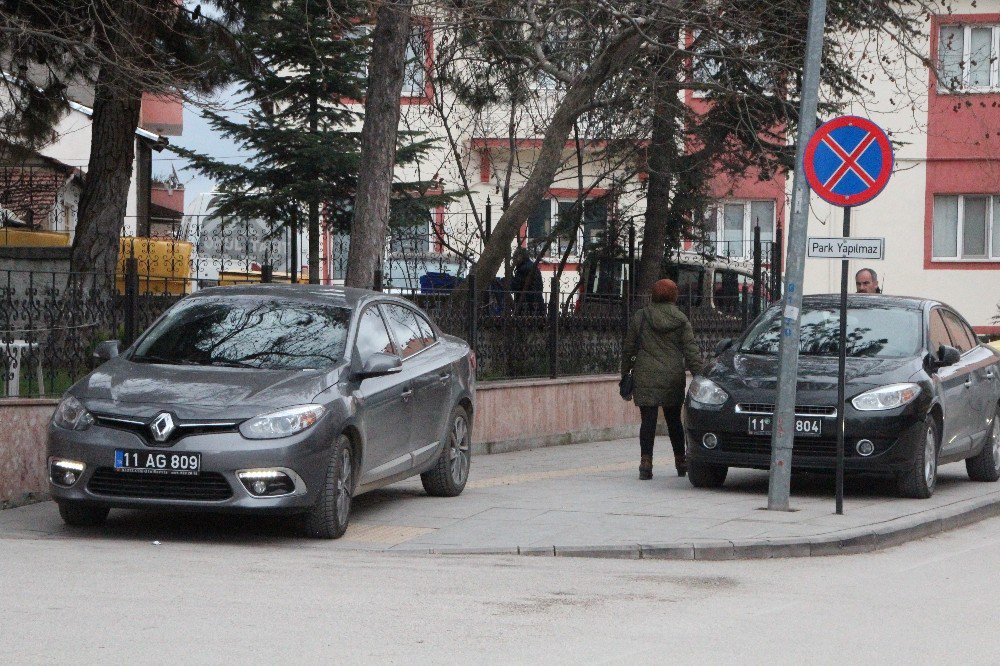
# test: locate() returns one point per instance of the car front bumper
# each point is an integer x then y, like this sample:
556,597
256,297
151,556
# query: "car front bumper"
216,486
896,436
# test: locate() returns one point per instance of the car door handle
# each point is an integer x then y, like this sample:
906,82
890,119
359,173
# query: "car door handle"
444,376
989,374
407,394
968,383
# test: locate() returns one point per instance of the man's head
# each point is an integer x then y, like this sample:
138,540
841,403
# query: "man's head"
866,281
664,291
520,256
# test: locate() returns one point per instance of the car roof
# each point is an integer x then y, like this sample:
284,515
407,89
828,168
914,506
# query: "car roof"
860,301
347,297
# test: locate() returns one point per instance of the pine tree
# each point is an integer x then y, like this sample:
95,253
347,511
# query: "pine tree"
302,134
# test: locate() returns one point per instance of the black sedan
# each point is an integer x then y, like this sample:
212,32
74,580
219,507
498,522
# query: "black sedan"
921,392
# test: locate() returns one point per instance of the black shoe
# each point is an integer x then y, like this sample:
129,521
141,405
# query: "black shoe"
682,468
645,468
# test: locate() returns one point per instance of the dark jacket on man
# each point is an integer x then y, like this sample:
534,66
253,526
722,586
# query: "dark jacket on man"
659,346
526,287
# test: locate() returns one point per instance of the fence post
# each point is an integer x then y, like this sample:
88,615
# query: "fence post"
378,280
266,273
473,313
554,329
756,272
489,218
131,299
777,269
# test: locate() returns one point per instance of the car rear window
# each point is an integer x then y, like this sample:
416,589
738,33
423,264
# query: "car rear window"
871,332
246,331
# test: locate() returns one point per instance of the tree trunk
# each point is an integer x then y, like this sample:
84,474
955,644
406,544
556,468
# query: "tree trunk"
104,198
662,152
117,103
579,96
378,143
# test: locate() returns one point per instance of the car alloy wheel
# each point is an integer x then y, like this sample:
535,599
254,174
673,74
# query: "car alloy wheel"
459,453
344,485
930,457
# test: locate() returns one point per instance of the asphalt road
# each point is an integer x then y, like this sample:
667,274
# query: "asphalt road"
92,599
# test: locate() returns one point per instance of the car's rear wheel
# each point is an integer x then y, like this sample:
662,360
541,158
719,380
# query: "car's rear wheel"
920,479
706,475
83,515
328,517
451,470
985,466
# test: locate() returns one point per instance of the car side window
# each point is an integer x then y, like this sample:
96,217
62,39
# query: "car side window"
373,338
426,331
960,335
405,329
938,331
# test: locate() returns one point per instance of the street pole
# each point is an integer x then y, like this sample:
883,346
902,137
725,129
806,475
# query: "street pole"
842,370
780,478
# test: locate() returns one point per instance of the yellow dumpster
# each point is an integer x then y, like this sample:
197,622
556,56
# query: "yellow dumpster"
10,237
164,265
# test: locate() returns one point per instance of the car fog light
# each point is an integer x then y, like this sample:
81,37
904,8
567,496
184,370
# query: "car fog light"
710,441
865,447
267,482
64,472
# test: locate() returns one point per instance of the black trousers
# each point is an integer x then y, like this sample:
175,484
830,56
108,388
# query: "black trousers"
647,431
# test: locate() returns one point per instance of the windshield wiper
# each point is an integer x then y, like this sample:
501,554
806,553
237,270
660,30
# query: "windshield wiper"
153,358
233,364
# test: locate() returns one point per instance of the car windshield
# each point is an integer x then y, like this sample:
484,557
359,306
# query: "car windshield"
879,332
242,331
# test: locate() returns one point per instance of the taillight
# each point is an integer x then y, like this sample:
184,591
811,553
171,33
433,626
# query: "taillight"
472,359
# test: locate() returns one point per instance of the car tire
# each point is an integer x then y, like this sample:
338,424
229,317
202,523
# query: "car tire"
78,514
328,517
919,480
706,475
985,466
448,476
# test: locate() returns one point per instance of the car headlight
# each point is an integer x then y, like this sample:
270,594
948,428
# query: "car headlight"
886,397
72,415
707,392
282,423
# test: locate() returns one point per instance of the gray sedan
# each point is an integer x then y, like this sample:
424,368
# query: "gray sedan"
269,399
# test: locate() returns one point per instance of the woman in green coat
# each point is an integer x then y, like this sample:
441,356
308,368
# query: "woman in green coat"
659,347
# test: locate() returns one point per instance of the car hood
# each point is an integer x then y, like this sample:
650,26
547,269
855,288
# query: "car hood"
142,389
815,373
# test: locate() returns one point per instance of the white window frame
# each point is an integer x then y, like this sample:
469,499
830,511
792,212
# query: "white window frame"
991,199
556,248
719,209
965,88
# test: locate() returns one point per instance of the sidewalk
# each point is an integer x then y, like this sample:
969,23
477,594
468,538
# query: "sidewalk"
585,500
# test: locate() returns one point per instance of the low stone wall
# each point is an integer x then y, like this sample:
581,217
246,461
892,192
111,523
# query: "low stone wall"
528,414
510,416
22,449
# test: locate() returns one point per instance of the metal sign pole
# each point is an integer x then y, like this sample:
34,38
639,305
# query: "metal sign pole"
842,369
780,480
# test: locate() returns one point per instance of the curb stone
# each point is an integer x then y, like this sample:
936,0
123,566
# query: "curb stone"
866,539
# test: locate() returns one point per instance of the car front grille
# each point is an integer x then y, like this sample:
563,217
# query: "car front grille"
183,428
205,487
803,447
800,410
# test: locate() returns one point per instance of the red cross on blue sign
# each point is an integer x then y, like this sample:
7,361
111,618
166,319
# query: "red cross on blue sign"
848,161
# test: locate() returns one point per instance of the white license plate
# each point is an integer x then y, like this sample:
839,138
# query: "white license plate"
157,462
804,426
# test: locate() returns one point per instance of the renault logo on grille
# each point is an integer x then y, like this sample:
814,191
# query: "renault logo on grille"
162,427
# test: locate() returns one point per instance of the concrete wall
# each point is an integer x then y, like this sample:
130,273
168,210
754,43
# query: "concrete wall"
510,416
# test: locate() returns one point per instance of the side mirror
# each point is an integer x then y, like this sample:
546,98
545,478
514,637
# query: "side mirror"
105,351
723,345
947,356
379,364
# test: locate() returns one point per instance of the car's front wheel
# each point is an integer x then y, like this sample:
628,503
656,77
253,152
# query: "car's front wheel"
328,517
451,470
985,466
83,515
920,479
706,475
